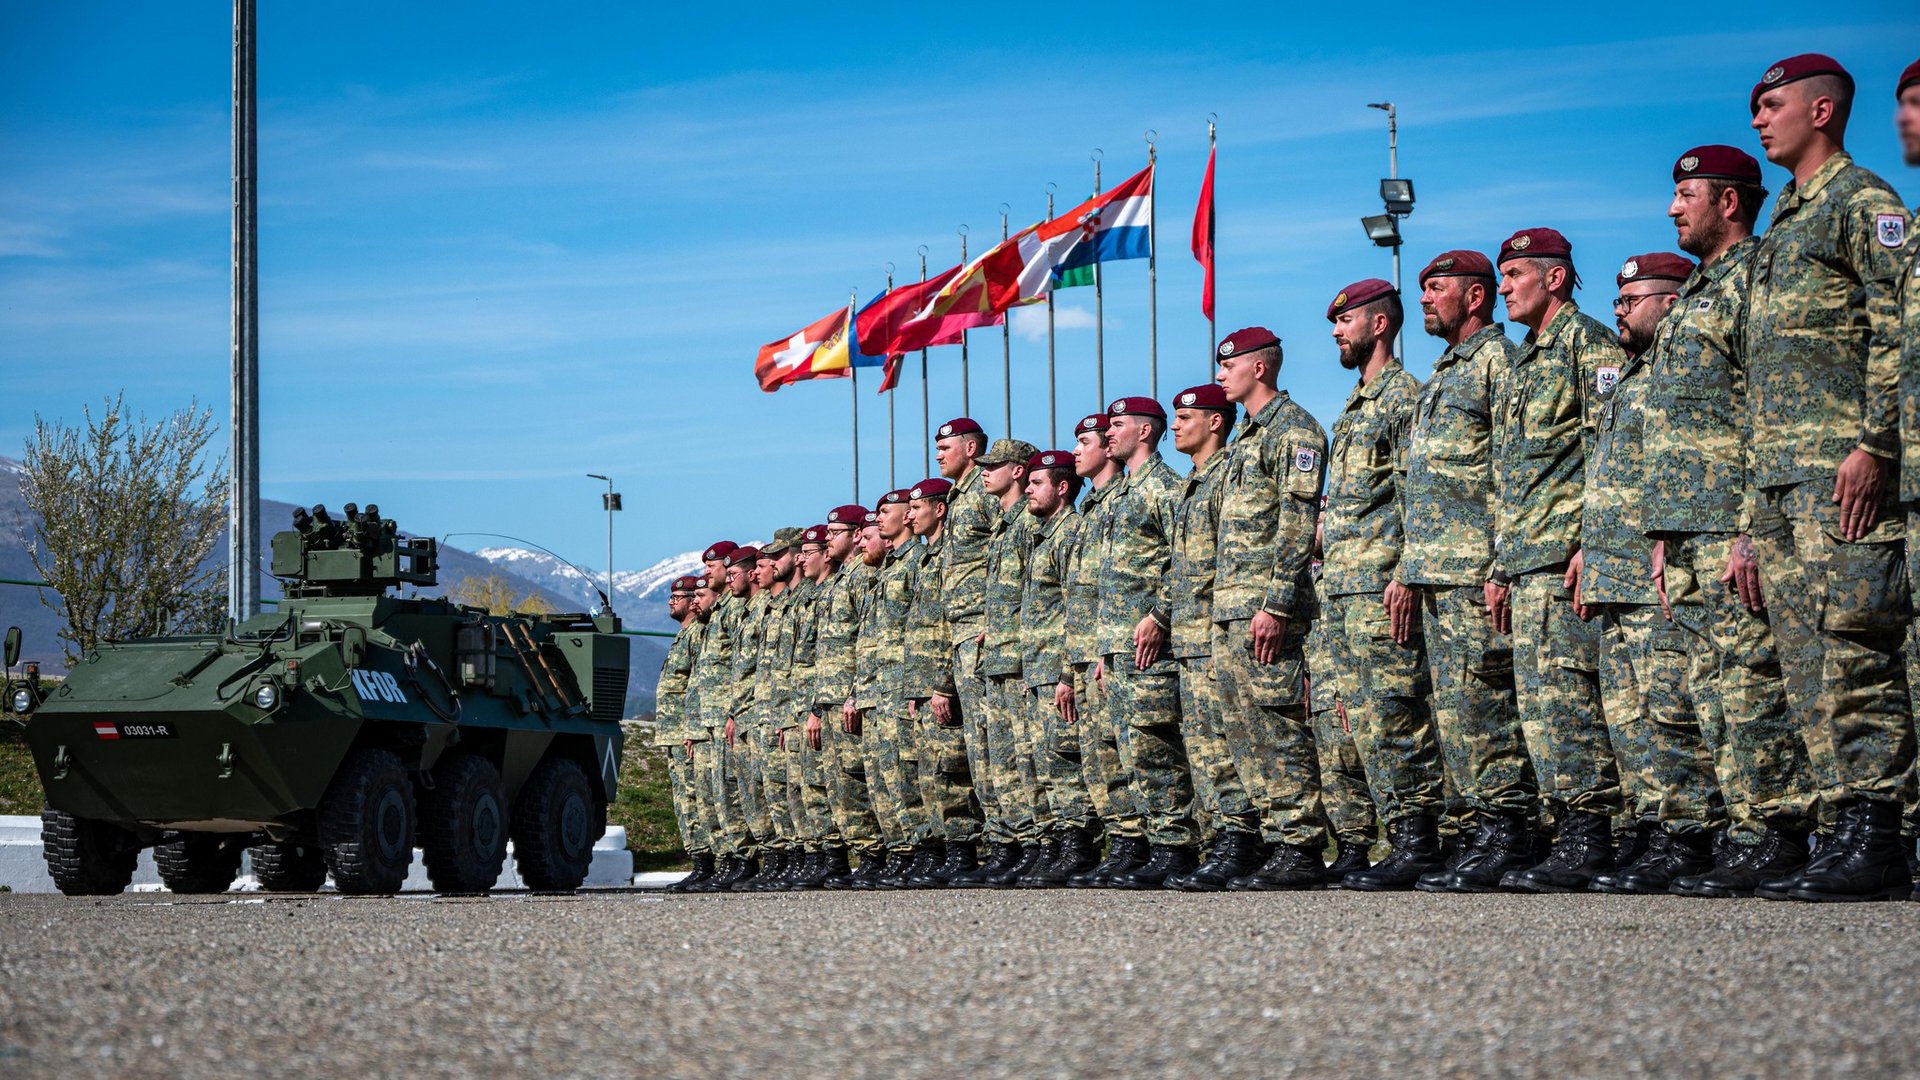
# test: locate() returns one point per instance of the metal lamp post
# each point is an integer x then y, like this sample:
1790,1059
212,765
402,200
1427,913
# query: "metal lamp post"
1397,195
611,502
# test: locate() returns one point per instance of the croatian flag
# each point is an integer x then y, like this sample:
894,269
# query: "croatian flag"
1113,225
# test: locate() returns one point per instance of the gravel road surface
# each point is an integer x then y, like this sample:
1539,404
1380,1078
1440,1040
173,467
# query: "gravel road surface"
956,984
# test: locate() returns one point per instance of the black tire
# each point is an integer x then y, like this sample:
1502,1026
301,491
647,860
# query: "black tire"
367,824
290,867
87,858
553,826
198,862
463,825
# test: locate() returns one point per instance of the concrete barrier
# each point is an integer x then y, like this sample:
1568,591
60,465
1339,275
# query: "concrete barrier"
23,866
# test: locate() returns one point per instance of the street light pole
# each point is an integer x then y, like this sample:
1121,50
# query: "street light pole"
611,501
1393,173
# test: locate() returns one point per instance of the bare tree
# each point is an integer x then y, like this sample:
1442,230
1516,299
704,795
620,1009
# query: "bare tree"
127,514
497,596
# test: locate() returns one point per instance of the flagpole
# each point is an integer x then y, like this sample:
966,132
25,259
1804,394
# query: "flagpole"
1053,410
966,406
855,330
1153,293
1099,309
1213,213
1006,348
853,383
926,429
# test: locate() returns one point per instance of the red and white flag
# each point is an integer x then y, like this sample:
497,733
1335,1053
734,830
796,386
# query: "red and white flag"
1203,236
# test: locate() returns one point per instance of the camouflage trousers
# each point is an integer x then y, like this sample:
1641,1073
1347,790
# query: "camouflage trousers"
1384,687
1839,612
1556,665
685,781
1666,767
744,772
849,801
807,800
1056,763
1738,691
1269,733
1144,711
946,779
1018,805
1100,772
971,686
773,786
1344,792
1221,801
725,831
891,756
1474,712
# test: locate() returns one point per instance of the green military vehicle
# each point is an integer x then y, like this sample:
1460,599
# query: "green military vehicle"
333,734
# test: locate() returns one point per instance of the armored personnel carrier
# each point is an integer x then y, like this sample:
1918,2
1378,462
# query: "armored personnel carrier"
335,733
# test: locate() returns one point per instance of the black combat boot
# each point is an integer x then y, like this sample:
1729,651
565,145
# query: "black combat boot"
1000,858
1688,853
1630,846
702,871
1502,844
892,873
1777,887
775,865
1349,856
1122,854
723,867
1290,867
1079,852
840,870
962,859
1163,861
1652,853
820,866
926,863
1583,848
1728,856
1862,862
1235,853
1416,851
745,866
1779,856
1031,855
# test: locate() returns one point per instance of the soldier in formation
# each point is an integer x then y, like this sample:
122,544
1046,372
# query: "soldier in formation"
1619,608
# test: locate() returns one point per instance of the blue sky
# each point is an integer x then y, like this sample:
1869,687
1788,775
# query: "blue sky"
499,253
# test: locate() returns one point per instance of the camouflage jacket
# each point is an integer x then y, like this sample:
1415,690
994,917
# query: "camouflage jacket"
1616,556
929,637
1323,683
774,673
1910,378
836,617
712,681
803,618
749,640
1360,528
1043,600
880,647
1196,541
1695,453
670,719
971,514
1083,577
1135,545
1823,326
1545,430
1006,571
1269,503
1448,487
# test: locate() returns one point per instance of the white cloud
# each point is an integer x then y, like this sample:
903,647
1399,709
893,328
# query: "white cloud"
1030,322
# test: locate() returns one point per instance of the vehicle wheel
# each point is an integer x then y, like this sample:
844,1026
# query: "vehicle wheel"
366,823
553,833
87,858
198,862
290,867
463,825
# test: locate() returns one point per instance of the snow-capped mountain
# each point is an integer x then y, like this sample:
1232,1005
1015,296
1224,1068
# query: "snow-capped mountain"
640,596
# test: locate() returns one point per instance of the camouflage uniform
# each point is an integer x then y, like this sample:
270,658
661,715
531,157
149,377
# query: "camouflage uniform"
889,748
762,775
673,727
1270,500
1221,799
1822,379
946,783
1100,772
1017,812
714,685
807,798
1343,776
1043,666
971,515
1666,769
1135,555
1694,485
836,622
1384,685
1447,496
1545,430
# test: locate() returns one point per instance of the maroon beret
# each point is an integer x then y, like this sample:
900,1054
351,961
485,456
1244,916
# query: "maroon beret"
1245,341
814,534
684,583
1096,422
1204,396
742,555
850,514
1536,244
1717,162
701,582
935,487
1050,459
897,495
719,550
1655,266
1460,263
1793,69
873,518
1909,77
958,426
1136,406
1358,293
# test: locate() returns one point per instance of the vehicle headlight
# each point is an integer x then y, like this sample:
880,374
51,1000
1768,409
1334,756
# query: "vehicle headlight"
267,696
22,700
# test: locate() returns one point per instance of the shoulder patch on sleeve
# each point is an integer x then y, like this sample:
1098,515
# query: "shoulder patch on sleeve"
1605,378
1890,230
1305,458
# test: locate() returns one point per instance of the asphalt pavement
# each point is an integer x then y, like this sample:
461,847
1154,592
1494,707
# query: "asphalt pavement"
956,984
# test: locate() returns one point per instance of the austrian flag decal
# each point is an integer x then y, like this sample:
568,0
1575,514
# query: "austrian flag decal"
106,729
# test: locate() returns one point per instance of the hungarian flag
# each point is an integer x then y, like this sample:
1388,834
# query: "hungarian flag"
1203,237
791,358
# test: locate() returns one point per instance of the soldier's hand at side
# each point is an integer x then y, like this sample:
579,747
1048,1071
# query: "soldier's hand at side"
942,710
1063,702
910,708
729,731
1499,606
1660,577
1100,673
1268,631
1743,573
1148,637
689,747
779,740
1403,611
813,731
1571,579
1857,487
852,724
